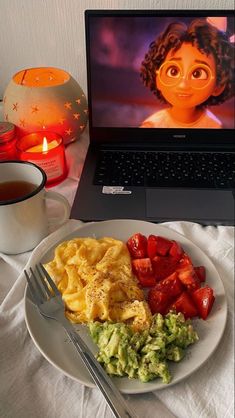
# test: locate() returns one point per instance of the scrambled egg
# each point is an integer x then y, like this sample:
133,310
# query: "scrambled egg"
96,281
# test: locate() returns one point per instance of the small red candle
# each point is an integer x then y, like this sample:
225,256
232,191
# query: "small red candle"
45,149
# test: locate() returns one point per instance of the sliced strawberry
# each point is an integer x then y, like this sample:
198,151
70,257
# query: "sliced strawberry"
163,266
189,279
176,251
201,273
185,305
152,246
158,301
184,262
203,299
158,245
142,266
137,245
147,280
171,285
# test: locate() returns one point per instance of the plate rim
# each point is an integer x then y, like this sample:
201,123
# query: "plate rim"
89,383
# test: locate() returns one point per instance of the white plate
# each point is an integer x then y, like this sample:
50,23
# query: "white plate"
51,340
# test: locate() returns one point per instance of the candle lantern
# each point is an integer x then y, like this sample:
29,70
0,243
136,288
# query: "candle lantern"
45,149
46,98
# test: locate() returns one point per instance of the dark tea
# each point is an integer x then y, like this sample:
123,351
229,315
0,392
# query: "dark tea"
10,190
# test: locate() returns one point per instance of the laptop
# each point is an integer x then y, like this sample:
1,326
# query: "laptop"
161,117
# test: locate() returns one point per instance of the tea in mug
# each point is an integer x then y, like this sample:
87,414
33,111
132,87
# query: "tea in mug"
10,190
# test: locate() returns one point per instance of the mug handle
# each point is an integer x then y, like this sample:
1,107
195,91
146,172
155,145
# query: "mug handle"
61,199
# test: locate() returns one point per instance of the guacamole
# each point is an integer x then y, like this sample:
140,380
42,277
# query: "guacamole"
143,355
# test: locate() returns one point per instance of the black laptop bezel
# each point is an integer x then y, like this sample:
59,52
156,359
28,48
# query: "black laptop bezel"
190,138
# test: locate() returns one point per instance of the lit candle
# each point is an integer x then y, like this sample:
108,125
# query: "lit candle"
44,147
46,150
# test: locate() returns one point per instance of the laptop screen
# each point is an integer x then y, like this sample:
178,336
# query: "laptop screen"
162,71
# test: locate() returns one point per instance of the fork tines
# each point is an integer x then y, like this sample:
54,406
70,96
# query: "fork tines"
41,284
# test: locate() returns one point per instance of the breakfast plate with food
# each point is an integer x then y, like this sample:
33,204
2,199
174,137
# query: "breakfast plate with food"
146,300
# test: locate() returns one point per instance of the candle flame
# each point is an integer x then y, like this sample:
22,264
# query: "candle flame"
44,145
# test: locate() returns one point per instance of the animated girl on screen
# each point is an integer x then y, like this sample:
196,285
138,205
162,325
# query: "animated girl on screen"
189,68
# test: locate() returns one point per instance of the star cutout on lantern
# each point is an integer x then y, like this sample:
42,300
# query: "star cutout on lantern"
35,109
15,106
82,127
78,101
6,117
68,105
76,115
41,123
61,121
85,111
22,122
68,131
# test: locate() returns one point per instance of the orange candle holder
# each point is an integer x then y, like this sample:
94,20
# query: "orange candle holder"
45,149
46,98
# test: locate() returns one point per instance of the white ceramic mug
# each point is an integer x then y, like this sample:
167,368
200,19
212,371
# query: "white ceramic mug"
24,220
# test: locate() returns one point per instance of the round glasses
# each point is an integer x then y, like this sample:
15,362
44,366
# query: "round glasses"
198,76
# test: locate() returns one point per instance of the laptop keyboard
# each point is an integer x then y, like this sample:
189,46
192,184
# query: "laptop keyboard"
165,169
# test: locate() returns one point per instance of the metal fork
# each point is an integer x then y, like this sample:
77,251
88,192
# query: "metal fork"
50,304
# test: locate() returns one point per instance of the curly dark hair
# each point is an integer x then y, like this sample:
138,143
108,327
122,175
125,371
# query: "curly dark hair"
208,39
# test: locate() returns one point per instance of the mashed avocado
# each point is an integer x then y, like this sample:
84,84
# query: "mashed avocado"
143,355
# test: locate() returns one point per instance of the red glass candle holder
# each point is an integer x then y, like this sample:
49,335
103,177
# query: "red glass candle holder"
45,149
7,141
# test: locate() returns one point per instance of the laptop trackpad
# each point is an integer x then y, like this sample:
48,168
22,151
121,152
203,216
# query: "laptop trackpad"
187,204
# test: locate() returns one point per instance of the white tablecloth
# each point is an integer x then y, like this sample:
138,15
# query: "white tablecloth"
31,387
